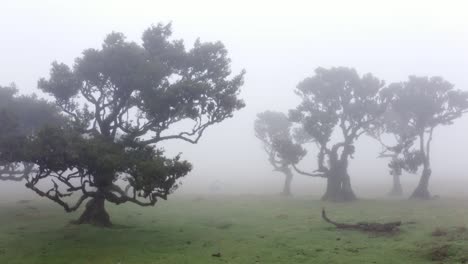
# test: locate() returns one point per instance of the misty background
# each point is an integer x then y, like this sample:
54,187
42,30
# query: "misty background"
279,43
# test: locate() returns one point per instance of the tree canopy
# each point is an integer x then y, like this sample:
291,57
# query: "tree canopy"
121,101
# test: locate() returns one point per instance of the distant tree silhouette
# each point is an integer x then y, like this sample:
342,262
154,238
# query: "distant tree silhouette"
274,130
420,105
396,138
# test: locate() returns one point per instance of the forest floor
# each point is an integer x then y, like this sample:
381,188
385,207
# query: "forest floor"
235,229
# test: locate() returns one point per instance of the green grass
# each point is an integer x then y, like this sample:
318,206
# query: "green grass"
246,230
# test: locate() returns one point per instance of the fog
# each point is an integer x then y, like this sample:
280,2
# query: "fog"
278,43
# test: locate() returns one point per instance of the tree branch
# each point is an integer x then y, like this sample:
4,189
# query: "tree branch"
320,175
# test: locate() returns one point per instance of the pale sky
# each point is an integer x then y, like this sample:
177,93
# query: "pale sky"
279,43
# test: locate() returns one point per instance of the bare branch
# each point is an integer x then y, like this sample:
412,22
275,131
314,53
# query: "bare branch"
320,175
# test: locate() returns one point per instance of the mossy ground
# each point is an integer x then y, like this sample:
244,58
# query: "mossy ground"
248,229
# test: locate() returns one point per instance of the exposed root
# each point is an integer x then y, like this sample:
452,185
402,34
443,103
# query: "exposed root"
390,227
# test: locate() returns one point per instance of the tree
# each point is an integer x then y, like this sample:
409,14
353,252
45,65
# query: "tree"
422,104
21,117
123,100
337,103
402,158
274,130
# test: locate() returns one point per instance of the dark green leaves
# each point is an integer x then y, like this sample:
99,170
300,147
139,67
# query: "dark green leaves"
143,90
121,100
63,84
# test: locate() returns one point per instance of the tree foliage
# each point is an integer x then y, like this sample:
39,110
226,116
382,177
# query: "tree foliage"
122,100
21,117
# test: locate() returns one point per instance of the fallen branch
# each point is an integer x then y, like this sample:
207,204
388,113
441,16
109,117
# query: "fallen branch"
365,226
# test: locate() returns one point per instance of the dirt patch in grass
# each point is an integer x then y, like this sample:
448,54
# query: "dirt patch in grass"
439,232
439,253
458,233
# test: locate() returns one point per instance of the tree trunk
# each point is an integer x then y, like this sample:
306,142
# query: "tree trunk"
397,189
95,214
339,188
287,182
422,190
347,192
338,181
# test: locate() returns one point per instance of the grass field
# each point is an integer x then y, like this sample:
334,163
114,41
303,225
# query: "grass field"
247,229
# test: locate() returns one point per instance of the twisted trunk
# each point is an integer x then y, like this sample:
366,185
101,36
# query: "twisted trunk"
422,190
338,184
339,189
95,213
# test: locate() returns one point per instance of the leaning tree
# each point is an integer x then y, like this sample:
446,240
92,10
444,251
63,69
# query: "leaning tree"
123,100
21,117
423,104
337,108
274,131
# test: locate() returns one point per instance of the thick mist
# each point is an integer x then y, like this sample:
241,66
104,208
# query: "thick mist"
278,43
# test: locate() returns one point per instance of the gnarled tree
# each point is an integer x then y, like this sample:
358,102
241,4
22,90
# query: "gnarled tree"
337,108
423,104
122,100
274,130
